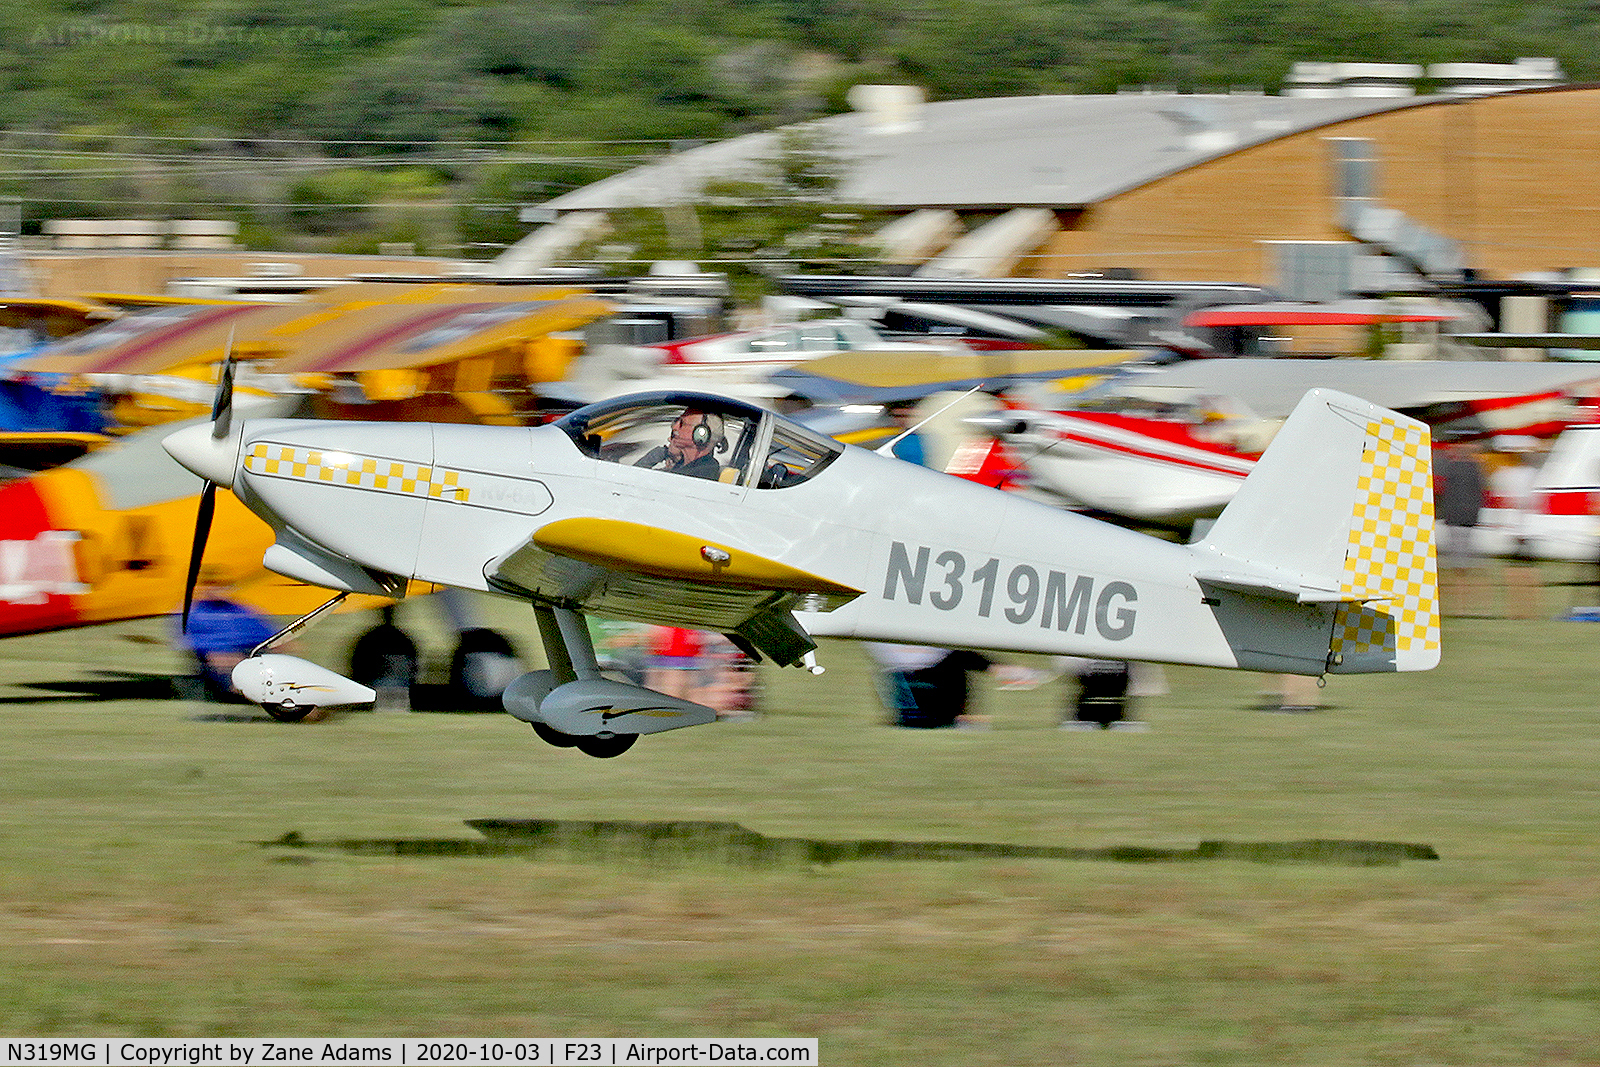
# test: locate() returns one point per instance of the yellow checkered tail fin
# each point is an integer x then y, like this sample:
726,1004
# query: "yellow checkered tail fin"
1339,513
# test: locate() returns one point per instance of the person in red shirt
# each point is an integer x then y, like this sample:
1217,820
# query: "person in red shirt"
674,659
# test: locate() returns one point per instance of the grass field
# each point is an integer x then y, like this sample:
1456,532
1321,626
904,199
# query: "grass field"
137,896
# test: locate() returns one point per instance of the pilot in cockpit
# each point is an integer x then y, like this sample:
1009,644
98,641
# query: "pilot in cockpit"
691,447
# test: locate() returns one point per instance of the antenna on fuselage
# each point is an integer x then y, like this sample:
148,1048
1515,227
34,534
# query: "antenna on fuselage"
887,448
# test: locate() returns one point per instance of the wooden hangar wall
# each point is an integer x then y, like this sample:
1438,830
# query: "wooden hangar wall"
1514,178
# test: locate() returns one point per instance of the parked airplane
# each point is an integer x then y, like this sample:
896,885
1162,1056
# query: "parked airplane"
1171,445
735,362
1191,318
103,539
43,422
1560,517
1323,563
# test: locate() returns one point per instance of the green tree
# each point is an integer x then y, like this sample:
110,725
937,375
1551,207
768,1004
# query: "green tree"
544,43
786,212
659,64
974,49
360,207
855,30
408,98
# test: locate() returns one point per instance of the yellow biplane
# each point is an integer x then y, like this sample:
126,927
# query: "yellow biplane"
106,537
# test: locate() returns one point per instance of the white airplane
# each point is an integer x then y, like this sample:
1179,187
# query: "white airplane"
1323,563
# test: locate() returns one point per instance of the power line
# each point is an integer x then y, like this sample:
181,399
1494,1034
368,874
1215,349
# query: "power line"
251,205
190,139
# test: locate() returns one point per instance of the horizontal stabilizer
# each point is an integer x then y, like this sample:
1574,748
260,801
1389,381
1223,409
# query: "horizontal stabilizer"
1262,581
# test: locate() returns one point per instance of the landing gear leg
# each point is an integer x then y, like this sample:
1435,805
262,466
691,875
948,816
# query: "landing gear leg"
569,650
572,704
299,624
567,644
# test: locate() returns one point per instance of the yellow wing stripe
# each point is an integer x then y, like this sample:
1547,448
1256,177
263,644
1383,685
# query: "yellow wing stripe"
631,546
361,472
1390,559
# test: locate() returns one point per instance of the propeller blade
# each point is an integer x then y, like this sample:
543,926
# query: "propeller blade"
222,405
202,530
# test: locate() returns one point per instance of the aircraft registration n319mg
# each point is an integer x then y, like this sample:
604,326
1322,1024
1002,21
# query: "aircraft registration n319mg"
695,510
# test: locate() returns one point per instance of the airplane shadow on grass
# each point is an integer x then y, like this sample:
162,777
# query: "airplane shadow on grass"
105,686
718,842
102,685
668,843
111,685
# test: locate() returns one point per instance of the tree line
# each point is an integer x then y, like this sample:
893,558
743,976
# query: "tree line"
329,121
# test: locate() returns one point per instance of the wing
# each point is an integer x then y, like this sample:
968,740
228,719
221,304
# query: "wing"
627,570
436,325
54,317
1333,313
887,377
1584,342
373,330
1272,387
158,339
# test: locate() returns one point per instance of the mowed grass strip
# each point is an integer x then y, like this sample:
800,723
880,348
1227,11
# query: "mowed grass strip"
137,898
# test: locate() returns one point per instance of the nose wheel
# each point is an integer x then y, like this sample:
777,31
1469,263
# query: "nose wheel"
288,711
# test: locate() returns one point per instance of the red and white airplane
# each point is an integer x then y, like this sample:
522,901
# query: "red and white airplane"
1558,515
1172,445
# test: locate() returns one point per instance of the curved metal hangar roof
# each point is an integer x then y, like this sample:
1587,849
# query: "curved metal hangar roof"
1027,151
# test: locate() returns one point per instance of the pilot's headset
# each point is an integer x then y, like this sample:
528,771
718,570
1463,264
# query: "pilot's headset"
709,431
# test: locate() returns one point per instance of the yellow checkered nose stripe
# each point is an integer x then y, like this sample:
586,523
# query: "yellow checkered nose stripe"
1389,561
362,472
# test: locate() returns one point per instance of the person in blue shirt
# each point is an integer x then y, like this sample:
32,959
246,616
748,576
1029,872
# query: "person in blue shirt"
909,447
221,632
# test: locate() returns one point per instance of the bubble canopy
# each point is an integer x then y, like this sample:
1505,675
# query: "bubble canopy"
701,435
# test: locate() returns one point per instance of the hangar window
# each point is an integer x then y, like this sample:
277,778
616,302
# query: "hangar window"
1355,166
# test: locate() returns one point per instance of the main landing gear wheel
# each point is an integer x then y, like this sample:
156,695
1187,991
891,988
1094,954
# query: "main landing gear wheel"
606,747
598,747
384,657
482,665
551,736
288,712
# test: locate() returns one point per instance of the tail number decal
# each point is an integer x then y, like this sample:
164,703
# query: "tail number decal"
1056,598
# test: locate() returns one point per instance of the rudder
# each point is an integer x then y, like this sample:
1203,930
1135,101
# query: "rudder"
1391,562
1339,512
